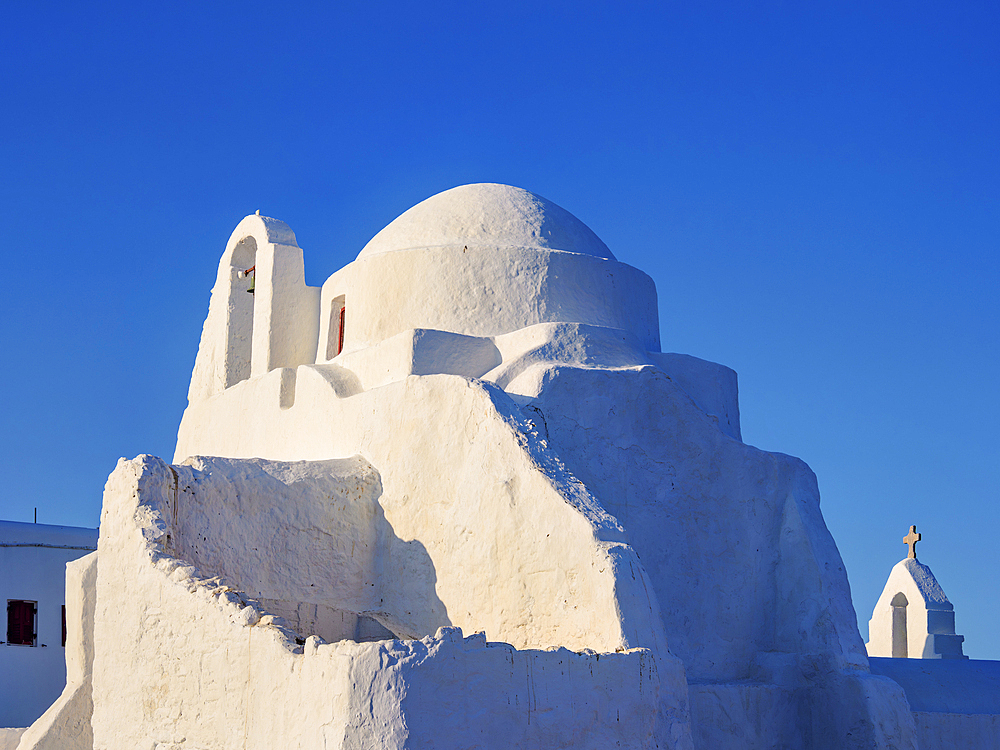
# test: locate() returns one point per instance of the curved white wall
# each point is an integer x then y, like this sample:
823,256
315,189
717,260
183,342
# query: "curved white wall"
486,291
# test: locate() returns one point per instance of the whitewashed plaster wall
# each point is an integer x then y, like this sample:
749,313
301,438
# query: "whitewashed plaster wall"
33,561
711,386
701,509
209,668
926,619
749,580
307,539
515,545
515,360
465,476
760,604
419,352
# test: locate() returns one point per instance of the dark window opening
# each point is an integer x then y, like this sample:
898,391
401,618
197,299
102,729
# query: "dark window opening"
239,335
21,617
899,647
335,331
64,625
340,338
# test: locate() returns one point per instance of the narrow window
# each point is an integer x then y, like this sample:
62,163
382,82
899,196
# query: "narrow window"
899,647
64,625
21,622
335,331
340,337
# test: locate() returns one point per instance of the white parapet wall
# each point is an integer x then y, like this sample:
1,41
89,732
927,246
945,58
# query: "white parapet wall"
209,666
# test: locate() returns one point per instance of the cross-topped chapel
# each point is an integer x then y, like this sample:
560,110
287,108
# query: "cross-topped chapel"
458,497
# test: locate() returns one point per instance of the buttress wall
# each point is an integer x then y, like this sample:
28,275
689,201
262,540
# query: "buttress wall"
209,666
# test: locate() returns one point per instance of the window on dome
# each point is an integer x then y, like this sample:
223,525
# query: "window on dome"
335,332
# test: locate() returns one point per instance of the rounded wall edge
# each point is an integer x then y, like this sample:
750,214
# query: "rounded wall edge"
261,228
486,292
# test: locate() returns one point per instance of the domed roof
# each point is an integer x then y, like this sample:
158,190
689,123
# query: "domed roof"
487,214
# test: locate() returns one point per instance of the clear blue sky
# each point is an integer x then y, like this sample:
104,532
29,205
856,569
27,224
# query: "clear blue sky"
813,187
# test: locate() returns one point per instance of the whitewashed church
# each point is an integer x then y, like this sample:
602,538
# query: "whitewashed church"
457,497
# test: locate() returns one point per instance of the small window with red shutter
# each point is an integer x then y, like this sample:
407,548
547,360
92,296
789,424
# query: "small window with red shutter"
340,338
21,617
335,331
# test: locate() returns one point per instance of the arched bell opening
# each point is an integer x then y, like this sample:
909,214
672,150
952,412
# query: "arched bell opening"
239,342
899,647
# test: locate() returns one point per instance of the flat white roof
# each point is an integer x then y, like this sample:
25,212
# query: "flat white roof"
17,534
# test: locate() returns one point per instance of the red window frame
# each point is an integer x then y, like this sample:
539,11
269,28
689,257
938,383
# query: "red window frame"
22,617
340,339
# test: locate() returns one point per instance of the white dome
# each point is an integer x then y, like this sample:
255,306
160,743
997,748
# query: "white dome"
487,214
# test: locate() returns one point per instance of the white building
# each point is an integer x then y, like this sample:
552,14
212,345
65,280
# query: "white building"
458,497
913,618
33,559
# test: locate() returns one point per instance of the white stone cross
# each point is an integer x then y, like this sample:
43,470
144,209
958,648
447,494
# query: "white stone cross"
911,539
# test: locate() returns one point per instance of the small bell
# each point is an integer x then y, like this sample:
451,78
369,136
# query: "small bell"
252,273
